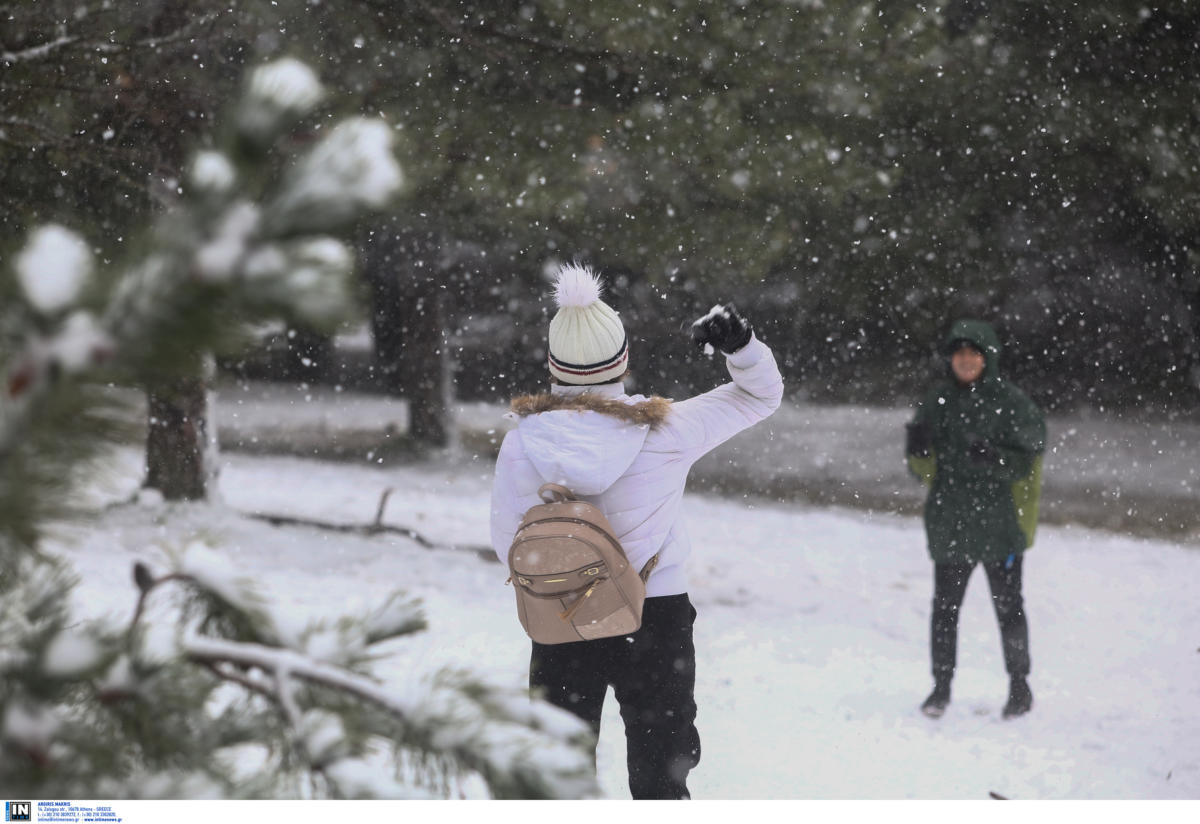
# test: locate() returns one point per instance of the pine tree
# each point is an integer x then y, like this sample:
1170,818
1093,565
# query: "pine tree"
206,692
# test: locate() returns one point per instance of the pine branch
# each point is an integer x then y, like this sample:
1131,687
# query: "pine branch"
146,584
47,49
321,721
234,249
97,707
43,137
250,683
277,660
37,52
184,32
519,773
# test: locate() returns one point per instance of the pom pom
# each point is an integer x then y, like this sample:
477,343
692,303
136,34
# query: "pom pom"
576,286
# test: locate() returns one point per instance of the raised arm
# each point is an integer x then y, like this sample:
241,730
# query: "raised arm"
708,420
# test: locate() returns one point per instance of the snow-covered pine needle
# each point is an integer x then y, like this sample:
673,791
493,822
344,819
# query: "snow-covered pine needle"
53,268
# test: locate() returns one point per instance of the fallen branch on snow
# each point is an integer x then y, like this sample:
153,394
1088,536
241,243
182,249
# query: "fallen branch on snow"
375,528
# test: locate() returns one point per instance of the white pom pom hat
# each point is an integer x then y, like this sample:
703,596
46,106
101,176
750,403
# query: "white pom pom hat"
587,340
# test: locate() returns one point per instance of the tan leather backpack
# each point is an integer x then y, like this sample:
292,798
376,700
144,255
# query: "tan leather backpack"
572,579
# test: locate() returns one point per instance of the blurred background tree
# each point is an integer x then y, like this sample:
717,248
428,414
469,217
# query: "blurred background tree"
854,174
1050,161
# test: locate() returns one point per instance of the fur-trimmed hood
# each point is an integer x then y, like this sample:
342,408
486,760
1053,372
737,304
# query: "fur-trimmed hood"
651,411
585,440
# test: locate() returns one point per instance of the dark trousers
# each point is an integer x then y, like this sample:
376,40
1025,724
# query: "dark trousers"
653,674
949,588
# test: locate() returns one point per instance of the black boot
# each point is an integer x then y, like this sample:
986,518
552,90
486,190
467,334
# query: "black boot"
1020,698
935,704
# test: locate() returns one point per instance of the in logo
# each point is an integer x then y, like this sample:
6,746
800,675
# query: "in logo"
18,811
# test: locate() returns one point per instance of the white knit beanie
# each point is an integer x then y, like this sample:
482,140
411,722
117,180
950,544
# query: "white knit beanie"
587,339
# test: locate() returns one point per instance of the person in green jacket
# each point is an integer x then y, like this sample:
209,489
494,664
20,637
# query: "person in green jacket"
976,441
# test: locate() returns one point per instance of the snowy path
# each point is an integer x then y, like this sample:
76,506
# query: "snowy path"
811,640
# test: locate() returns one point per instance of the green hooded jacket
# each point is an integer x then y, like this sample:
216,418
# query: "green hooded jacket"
980,510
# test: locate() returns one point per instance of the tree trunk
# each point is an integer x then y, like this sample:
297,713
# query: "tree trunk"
179,460
309,356
408,322
425,367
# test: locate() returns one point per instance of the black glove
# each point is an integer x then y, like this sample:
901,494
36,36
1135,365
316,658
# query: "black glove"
918,440
983,452
724,328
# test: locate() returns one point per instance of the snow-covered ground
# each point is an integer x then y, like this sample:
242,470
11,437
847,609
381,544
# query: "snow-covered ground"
811,638
1127,473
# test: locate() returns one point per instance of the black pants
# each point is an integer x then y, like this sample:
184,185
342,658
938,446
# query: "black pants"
653,673
949,588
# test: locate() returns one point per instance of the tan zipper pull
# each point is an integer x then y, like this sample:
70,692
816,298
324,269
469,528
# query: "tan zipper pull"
570,612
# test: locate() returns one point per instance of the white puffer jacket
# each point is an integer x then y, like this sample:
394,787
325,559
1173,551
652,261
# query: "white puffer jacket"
634,473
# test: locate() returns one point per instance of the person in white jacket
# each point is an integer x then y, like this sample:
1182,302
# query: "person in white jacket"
629,455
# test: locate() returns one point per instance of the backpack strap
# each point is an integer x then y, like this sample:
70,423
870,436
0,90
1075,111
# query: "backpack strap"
555,493
648,568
